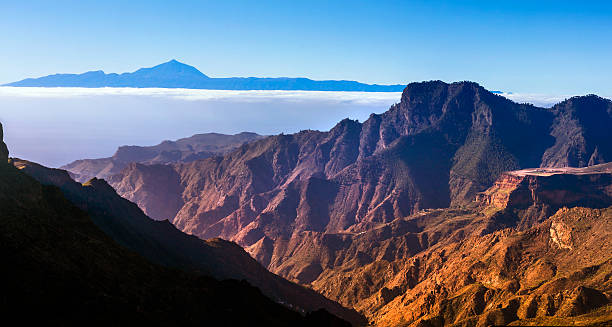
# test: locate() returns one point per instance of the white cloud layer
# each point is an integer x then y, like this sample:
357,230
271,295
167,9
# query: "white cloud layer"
540,100
54,126
543,100
195,95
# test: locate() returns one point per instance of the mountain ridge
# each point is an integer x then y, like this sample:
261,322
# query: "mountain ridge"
161,243
174,74
198,146
439,147
59,268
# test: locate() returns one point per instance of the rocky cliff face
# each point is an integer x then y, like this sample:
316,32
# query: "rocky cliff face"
476,266
582,132
591,187
440,146
349,211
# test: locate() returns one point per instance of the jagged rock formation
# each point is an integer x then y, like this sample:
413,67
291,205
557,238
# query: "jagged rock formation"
58,268
161,243
483,264
3,149
322,208
582,133
555,270
440,146
557,187
187,149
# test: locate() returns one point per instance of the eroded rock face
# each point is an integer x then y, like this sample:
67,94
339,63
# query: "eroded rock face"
478,280
325,208
561,235
582,132
440,145
569,187
3,149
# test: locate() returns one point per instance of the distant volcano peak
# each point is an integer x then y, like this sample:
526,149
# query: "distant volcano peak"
174,67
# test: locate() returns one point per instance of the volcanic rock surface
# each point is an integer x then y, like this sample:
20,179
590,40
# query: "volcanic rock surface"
440,146
528,261
381,215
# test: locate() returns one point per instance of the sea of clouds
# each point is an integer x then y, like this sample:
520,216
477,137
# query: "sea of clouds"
54,126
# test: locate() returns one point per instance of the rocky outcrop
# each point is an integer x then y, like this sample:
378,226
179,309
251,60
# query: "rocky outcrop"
3,149
440,145
188,149
582,133
590,187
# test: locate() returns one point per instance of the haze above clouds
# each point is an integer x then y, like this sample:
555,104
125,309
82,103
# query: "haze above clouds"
54,126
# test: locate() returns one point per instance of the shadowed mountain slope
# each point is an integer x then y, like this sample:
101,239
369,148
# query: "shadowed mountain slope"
187,149
60,269
173,74
582,132
162,243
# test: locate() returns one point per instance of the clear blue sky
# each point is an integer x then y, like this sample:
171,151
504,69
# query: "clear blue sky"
552,47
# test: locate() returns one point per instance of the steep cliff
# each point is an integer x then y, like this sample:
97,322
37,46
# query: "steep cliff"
582,132
556,187
345,211
440,145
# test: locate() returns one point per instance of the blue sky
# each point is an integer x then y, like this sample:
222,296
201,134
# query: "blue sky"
550,47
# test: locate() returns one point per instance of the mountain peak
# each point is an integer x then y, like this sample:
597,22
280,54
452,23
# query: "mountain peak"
176,68
174,63
175,74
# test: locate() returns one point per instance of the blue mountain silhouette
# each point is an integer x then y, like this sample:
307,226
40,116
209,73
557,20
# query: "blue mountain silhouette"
174,74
